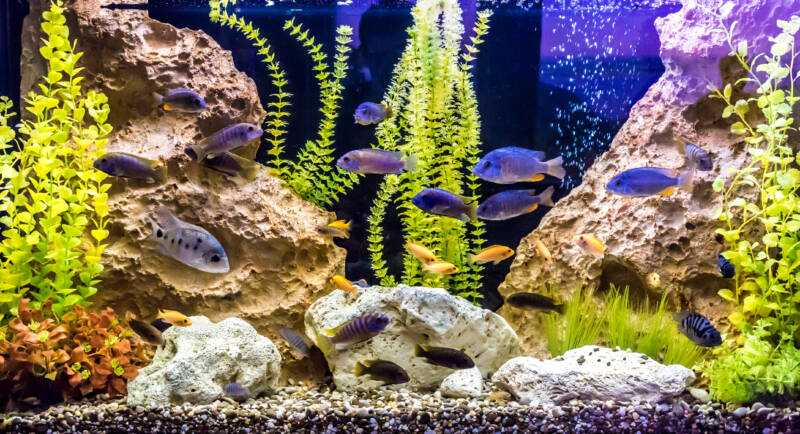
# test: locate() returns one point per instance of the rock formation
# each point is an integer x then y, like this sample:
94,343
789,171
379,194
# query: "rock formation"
418,315
464,383
196,362
674,235
592,373
279,263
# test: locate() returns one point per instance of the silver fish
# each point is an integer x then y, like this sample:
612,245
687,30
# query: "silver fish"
226,139
377,161
189,244
124,165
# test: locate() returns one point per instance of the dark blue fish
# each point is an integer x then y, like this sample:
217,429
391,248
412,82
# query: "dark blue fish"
182,100
725,267
442,202
382,370
295,341
371,113
512,164
359,329
698,329
447,357
697,155
512,203
237,392
648,181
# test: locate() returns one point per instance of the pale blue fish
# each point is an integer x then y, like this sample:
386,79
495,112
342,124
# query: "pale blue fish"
696,155
514,203
226,139
512,164
377,161
187,243
649,181
368,113
442,202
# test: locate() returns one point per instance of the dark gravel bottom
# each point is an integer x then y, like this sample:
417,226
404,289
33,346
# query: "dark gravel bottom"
564,419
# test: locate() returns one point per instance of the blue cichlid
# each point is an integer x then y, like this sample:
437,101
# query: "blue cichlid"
124,165
368,113
189,244
226,139
182,100
229,163
442,202
236,392
513,203
377,161
297,342
726,269
698,329
512,164
696,155
359,329
649,181
382,370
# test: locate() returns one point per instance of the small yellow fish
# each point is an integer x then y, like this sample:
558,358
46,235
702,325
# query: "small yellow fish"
174,317
440,267
340,282
495,253
341,224
422,253
590,244
654,280
542,250
337,229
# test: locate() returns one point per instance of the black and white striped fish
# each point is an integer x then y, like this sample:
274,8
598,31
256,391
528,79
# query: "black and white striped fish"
359,329
698,329
696,155
294,340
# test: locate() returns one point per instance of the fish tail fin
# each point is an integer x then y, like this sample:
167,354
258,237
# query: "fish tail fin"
471,258
546,197
198,151
160,314
473,210
680,144
419,350
347,225
250,171
388,110
555,168
558,308
411,163
158,97
685,180
360,369
325,344
160,172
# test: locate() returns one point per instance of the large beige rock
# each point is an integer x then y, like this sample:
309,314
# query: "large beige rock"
279,263
672,236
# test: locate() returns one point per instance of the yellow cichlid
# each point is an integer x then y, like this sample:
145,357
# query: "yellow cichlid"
341,224
440,267
174,317
543,252
421,252
590,244
654,280
495,253
340,282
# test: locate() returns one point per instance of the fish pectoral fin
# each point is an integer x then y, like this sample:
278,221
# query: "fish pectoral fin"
668,191
536,178
167,107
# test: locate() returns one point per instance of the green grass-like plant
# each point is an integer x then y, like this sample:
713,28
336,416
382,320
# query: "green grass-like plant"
53,203
578,325
761,198
436,120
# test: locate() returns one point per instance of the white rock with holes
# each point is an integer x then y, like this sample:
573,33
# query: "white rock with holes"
422,315
592,373
197,361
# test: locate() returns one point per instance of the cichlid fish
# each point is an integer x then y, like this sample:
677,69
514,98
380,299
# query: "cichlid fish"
340,282
541,249
512,164
441,202
382,370
368,113
698,329
529,300
181,100
446,357
174,317
147,332
440,267
341,224
297,342
124,165
229,164
654,280
160,324
424,254
726,269
696,155
337,229
495,253
357,330
226,139
648,181
189,244
590,244
513,203
236,392
362,283
377,161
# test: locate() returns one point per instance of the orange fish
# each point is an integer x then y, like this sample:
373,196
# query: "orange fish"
422,253
340,282
440,267
174,317
542,250
590,244
495,253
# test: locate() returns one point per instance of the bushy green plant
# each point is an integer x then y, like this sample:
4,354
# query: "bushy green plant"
761,198
436,120
579,324
314,176
50,195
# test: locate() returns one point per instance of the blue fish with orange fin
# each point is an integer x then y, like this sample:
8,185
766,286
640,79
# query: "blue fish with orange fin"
649,181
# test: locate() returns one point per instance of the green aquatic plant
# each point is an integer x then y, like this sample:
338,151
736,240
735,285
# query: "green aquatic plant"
761,198
314,176
436,120
577,325
53,203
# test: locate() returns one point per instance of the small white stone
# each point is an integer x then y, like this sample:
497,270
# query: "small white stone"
699,394
464,383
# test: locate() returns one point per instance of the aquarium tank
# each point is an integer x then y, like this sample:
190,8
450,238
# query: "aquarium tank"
399,216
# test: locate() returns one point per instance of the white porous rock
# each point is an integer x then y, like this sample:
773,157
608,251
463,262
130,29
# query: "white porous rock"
197,361
419,315
464,383
592,373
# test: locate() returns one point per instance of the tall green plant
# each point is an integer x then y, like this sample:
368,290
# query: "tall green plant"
579,324
761,198
436,120
51,197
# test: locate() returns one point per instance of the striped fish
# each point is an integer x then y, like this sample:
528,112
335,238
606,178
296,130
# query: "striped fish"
696,155
698,329
726,269
295,341
359,329
226,139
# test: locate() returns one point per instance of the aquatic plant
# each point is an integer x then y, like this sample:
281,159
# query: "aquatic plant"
579,324
83,353
314,176
436,119
761,198
50,195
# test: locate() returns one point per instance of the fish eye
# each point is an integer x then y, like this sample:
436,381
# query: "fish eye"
487,164
197,101
103,160
346,158
619,182
250,128
215,258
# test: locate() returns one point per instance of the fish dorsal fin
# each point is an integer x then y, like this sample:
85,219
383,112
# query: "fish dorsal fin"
539,155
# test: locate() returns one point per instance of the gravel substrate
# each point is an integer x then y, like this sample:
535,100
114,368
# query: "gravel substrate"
295,409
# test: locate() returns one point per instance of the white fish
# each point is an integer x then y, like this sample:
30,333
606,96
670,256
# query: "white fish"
187,243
